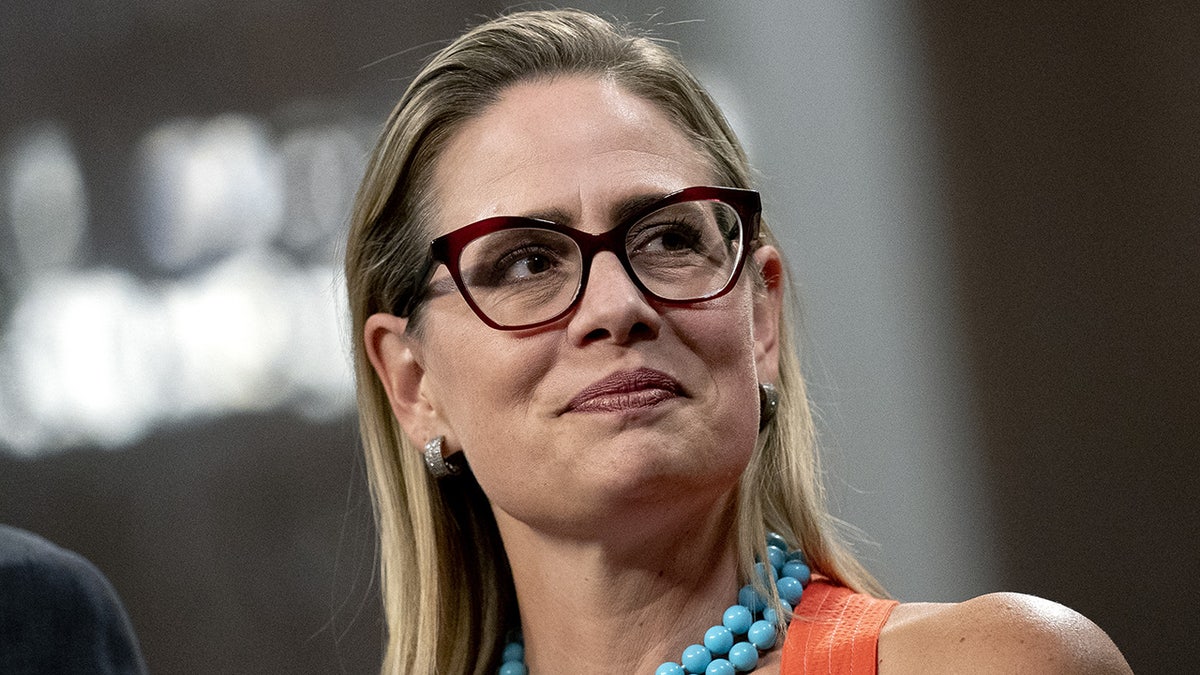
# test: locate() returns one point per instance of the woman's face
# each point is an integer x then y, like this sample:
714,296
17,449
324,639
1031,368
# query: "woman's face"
622,404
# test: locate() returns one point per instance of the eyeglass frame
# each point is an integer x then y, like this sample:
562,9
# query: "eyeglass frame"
447,249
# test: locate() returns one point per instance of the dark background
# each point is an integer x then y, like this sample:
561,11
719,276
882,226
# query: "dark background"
1073,168
1070,161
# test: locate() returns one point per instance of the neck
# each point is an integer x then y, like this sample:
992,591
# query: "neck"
627,602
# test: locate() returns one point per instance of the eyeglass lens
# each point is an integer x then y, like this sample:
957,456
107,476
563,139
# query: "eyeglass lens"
681,252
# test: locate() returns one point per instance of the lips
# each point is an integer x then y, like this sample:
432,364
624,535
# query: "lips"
626,390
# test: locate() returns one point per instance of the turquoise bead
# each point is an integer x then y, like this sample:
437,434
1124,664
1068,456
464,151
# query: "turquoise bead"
737,619
513,651
751,599
744,657
797,570
513,668
695,659
770,616
719,667
766,573
790,573
789,589
762,635
773,539
718,640
776,556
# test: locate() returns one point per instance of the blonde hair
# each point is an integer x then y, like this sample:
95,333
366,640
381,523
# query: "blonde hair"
447,589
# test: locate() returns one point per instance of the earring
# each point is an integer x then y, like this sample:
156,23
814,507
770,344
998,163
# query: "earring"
768,404
435,462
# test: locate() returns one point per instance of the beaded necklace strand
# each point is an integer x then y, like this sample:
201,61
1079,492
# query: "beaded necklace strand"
747,629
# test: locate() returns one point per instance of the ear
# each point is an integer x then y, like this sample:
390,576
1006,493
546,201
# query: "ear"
396,357
768,313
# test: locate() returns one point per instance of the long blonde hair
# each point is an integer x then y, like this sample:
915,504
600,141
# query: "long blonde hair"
447,590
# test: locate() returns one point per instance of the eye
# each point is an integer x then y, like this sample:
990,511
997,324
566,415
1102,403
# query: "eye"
678,237
666,237
524,263
518,257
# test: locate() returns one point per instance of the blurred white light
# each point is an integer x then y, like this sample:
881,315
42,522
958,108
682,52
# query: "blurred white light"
98,359
322,167
228,331
254,334
45,199
84,361
318,354
208,190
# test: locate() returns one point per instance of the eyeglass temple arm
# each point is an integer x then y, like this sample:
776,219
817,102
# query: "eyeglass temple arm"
420,289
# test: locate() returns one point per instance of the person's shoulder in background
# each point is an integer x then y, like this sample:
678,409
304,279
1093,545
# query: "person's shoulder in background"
58,613
996,633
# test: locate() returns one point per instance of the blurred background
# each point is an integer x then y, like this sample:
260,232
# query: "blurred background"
991,212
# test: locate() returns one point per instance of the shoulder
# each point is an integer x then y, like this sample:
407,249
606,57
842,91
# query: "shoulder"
58,613
33,566
999,632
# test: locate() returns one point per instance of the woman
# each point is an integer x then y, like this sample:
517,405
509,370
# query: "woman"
580,405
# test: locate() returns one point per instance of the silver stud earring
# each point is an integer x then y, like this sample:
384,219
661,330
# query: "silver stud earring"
768,404
435,462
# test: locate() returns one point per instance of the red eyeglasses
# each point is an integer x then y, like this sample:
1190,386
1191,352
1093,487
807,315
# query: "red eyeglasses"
518,273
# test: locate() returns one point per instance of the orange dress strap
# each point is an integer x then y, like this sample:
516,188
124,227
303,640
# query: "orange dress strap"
834,630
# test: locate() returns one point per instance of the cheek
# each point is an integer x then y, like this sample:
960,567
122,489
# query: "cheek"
481,379
722,335
722,340
730,356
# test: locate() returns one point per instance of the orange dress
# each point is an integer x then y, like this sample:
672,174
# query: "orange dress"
834,630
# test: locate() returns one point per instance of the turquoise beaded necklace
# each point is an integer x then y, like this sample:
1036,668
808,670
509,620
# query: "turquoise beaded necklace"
747,629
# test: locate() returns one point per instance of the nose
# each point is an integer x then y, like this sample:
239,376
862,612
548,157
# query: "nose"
612,308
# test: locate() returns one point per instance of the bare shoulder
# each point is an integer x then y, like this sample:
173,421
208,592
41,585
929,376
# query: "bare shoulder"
999,632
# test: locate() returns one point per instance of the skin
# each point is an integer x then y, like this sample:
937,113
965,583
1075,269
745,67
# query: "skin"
995,633
606,511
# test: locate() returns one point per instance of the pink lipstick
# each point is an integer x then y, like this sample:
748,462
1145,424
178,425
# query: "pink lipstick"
626,390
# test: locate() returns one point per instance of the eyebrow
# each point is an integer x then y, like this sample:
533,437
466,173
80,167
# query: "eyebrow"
618,215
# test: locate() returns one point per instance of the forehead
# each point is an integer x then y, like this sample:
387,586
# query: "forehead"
573,145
